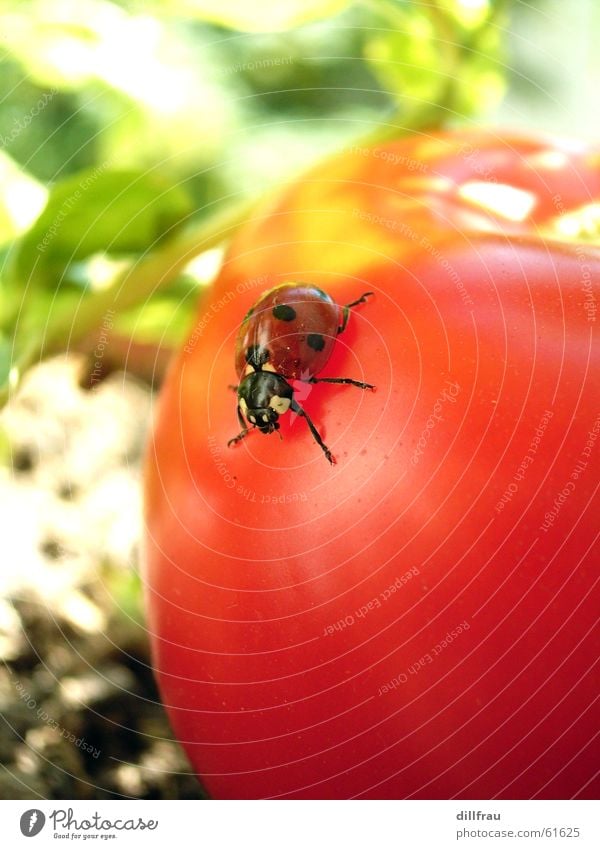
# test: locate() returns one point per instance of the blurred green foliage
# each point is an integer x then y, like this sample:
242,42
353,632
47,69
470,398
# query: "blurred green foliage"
127,126
99,210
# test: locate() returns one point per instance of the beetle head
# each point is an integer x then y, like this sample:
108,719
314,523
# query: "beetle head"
263,396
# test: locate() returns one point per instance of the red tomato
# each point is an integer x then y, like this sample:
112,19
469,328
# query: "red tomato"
419,620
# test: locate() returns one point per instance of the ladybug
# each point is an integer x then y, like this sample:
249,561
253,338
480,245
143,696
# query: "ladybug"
288,335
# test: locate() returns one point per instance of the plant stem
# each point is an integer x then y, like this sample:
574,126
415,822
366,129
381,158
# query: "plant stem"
431,116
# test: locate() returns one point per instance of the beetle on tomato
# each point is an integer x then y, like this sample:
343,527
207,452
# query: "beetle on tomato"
287,335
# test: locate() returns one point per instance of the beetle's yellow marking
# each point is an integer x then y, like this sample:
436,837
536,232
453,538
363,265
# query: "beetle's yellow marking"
280,405
243,406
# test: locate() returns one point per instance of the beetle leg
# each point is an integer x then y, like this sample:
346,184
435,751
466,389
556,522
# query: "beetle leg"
316,435
243,424
346,310
232,387
245,430
239,437
347,380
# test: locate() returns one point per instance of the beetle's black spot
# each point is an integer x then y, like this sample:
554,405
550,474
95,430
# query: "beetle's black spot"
315,341
284,312
256,356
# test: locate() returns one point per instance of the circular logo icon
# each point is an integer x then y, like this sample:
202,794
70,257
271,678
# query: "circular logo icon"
32,822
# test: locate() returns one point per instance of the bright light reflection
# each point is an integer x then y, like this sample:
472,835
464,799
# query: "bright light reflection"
507,201
580,223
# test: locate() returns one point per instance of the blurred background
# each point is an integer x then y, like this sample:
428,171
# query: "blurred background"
133,137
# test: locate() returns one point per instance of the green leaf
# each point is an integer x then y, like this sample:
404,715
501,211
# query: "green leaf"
407,60
434,63
163,320
480,81
5,361
116,212
126,591
261,15
21,199
5,447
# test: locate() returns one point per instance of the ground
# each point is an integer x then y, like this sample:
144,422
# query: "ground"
81,716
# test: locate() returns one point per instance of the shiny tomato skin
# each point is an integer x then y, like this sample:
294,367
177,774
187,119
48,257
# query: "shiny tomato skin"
421,620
